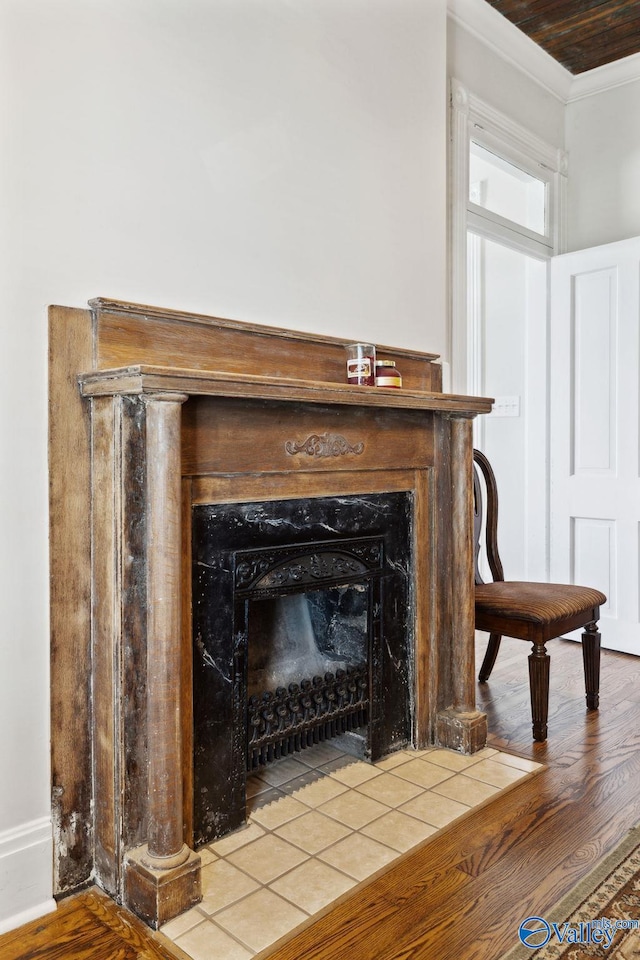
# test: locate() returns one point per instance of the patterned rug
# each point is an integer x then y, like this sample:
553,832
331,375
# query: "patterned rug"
599,918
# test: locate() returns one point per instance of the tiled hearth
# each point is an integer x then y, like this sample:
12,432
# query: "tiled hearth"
319,824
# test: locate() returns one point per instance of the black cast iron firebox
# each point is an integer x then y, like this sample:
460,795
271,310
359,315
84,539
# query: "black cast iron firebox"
302,631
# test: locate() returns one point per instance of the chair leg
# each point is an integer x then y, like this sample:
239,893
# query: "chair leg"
490,657
539,662
591,660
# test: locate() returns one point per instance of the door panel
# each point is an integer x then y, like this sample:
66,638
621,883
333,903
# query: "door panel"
594,391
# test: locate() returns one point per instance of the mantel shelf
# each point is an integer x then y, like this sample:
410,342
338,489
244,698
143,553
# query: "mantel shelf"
145,379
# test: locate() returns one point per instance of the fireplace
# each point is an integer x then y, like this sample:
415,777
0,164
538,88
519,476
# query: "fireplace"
302,631
174,436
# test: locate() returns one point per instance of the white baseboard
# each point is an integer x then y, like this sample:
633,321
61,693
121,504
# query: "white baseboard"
26,875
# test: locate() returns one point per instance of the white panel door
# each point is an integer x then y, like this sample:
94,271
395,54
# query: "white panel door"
594,431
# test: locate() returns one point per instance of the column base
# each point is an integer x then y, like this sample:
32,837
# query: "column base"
159,895
461,730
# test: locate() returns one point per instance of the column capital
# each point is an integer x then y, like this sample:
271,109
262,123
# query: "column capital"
164,397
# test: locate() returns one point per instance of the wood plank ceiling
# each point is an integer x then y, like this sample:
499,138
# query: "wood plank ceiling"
579,34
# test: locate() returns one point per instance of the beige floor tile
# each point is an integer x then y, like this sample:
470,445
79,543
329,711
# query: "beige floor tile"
354,809
267,858
522,763
208,942
175,928
390,789
274,814
323,789
260,919
354,773
291,787
222,885
466,790
312,885
451,760
422,773
313,832
415,753
358,856
282,770
206,856
237,839
399,831
395,760
263,799
498,774
434,809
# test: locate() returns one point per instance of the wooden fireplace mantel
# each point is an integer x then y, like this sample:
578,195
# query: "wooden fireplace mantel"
142,379
151,412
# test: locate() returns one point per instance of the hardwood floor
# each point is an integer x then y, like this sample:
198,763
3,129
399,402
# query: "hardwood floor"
462,895
87,926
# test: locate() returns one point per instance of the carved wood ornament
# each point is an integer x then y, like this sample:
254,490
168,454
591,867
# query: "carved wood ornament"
325,445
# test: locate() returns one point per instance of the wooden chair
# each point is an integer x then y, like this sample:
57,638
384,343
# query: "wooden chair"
537,612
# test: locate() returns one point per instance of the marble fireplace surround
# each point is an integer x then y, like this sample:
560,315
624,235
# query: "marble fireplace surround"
153,412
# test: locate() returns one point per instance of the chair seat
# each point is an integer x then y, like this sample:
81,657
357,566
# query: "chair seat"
538,604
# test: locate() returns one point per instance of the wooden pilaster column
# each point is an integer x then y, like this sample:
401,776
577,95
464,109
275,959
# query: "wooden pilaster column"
164,829
460,725
163,876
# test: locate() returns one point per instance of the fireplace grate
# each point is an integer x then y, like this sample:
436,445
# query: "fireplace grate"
301,715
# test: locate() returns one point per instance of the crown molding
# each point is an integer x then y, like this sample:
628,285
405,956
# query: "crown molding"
608,77
480,19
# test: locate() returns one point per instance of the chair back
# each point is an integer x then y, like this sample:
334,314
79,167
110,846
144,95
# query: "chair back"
489,523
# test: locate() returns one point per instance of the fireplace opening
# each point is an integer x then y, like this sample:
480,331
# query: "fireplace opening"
296,640
309,651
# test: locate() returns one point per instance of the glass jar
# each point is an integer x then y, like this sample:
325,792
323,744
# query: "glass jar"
387,374
361,360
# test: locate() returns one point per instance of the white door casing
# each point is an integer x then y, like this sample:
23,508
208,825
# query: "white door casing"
594,431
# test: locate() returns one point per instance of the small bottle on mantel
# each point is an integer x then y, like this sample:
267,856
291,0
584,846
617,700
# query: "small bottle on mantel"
361,361
387,374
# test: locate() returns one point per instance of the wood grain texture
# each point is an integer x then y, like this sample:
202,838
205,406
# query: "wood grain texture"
141,378
164,636
87,926
579,34
186,665
330,483
192,341
70,344
233,436
106,529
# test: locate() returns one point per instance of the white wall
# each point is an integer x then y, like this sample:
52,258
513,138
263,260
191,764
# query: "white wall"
603,142
278,161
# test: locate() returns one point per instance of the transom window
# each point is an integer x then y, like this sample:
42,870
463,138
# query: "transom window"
507,190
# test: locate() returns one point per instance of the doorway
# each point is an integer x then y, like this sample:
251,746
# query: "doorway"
507,201
508,339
